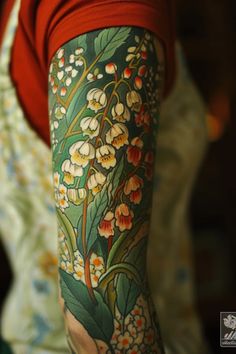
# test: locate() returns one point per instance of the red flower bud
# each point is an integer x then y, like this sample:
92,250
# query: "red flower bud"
144,55
54,88
61,62
142,70
127,73
63,91
138,83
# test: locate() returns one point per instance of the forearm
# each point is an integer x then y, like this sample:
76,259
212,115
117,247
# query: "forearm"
104,94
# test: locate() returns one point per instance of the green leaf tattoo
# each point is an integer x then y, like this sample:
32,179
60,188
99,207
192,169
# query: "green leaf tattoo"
108,41
83,308
104,93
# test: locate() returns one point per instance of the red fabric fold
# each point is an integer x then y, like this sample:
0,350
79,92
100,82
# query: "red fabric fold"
46,25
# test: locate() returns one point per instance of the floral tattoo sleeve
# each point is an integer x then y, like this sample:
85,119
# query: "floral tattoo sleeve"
104,93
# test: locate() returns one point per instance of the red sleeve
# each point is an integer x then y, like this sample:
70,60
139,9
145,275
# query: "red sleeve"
45,25
58,21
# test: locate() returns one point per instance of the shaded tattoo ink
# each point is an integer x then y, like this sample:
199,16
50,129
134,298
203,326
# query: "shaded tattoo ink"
104,94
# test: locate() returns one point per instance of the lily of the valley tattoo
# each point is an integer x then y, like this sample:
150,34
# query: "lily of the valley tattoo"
104,90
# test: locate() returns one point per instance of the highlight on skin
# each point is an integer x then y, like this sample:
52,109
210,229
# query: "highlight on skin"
104,97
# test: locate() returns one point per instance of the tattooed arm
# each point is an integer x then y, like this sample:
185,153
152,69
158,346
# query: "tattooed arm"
104,92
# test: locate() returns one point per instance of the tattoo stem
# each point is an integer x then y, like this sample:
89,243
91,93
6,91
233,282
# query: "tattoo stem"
109,245
70,97
87,277
87,274
60,100
119,188
75,120
107,85
85,73
108,121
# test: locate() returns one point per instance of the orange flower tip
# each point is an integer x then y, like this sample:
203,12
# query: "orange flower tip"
127,73
138,83
111,68
149,157
62,61
63,91
137,142
54,89
142,70
144,55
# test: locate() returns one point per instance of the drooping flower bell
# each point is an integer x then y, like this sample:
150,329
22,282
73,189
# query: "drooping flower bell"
106,156
96,99
70,171
95,182
81,152
90,126
134,100
120,113
117,135
77,196
124,217
106,226
133,189
134,151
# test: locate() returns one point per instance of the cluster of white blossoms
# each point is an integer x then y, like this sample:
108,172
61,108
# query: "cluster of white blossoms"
116,137
58,114
76,268
96,75
64,195
60,192
97,268
60,75
77,58
82,152
133,334
134,337
54,141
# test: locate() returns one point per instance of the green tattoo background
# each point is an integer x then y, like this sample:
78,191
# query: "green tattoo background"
104,92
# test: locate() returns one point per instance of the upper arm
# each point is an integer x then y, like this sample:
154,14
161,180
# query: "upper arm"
104,94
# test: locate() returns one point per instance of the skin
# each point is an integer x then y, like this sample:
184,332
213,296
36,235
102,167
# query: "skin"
104,97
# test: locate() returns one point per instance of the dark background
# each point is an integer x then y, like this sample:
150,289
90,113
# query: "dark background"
207,29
